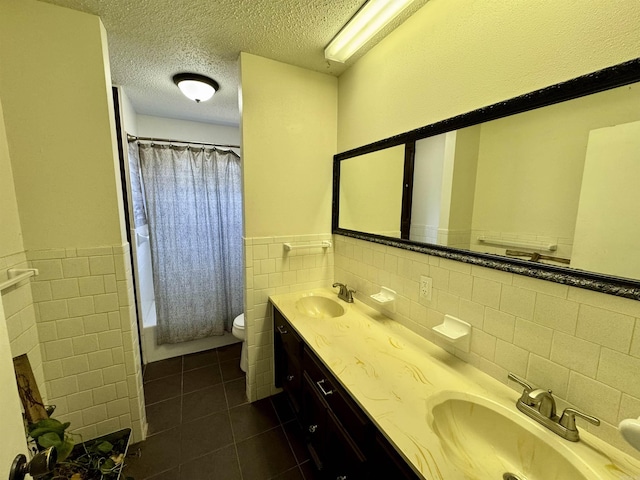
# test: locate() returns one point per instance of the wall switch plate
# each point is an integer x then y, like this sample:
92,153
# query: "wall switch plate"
426,285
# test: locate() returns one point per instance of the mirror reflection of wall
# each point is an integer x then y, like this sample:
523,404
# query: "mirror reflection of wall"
608,225
514,186
444,186
530,169
371,192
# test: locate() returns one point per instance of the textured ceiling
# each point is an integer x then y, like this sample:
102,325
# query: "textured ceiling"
151,40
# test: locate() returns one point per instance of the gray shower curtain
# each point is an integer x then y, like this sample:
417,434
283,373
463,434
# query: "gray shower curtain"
194,209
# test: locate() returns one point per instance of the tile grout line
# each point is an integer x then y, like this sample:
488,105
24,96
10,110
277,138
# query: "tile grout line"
295,457
181,402
233,435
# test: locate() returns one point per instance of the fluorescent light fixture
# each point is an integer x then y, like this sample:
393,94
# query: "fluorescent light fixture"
368,21
196,87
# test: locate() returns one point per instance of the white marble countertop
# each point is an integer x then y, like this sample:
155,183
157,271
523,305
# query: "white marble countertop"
396,376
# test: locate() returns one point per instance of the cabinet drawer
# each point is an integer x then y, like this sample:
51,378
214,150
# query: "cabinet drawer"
345,409
291,342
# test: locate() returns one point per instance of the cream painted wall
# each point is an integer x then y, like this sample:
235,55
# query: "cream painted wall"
64,159
453,56
603,243
149,126
464,178
11,232
371,192
128,114
289,122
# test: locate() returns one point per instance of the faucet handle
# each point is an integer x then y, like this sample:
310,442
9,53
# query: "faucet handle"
524,384
524,398
568,418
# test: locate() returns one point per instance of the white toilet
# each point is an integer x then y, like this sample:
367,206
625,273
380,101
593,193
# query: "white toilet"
238,332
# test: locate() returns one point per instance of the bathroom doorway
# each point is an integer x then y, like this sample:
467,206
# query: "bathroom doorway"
190,287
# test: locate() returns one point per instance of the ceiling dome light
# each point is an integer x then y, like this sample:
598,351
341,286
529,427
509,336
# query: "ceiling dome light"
196,87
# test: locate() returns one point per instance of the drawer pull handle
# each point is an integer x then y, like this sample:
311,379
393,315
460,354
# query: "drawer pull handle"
313,428
289,378
282,330
324,392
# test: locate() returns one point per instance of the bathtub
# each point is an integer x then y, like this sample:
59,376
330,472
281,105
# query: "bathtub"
152,352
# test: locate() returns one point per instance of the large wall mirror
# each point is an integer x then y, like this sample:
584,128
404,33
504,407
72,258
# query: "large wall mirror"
546,185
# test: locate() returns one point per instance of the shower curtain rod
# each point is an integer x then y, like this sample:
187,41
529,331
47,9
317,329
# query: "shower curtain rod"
133,138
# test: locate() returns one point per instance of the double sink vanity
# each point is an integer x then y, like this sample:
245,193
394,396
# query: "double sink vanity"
377,401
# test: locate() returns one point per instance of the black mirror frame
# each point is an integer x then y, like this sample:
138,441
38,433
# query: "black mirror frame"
605,79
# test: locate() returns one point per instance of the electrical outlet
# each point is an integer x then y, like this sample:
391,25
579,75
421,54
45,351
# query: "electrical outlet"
426,284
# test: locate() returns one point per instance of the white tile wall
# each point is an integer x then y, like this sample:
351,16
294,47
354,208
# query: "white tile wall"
583,345
87,332
269,270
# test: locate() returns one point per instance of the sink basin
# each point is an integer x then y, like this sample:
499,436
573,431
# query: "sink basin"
487,440
319,307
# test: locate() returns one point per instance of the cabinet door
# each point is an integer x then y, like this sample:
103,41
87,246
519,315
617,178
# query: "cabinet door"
344,459
291,341
348,413
292,382
314,422
287,360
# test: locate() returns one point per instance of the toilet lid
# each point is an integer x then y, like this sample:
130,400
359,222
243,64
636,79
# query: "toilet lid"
238,322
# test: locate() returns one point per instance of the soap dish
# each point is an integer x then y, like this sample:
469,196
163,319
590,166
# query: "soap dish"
385,297
454,331
630,430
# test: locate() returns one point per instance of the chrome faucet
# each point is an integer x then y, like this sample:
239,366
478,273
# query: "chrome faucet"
345,292
540,405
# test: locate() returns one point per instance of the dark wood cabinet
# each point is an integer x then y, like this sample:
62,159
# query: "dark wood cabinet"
389,464
288,360
342,442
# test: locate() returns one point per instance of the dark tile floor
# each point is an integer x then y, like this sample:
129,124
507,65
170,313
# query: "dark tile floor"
201,426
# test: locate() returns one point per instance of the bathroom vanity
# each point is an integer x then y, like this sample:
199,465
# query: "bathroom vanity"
342,441
375,400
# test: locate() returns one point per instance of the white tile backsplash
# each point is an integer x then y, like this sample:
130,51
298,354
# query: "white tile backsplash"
557,313
583,345
575,353
610,329
533,337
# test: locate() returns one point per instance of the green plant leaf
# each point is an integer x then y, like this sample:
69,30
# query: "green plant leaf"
40,431
47,425
107,466
104,447
64,449
50,439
